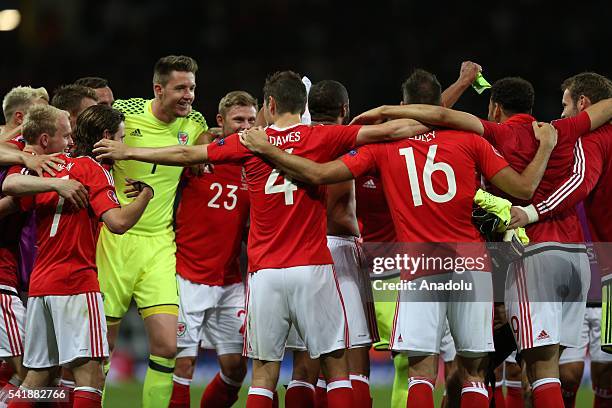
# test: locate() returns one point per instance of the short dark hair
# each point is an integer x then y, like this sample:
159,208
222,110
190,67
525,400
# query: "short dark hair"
288,91
590,84
165,65
92,123
69,97
514,94
422,87
326,99
92,82
236,98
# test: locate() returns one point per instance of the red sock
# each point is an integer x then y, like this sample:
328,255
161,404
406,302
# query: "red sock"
221,392
603,397
547,393
6,372
569,396
514,394
321,394
361,391
180,393
474,395
420,392
87,397
498,395
68,387
340,393
300,394
259,398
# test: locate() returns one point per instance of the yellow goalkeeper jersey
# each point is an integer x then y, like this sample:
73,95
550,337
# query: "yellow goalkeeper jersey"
143,129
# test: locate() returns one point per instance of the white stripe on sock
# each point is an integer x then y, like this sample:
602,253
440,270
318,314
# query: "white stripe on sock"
513,384
359,377
321,383
339,384
181,380
297,383
543,381
89,389
229,381
261,391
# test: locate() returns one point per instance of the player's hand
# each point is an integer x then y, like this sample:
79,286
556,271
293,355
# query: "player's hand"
468,72
42,163
134,188
545,133
518,218
371,117
110,149
73,192
255,139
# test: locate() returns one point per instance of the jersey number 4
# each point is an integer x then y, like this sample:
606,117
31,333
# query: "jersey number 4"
428,170
288,187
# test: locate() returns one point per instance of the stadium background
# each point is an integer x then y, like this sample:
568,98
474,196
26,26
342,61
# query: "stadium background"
370,47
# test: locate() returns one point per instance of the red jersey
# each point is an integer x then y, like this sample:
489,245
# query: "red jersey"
9,244
18,141
66,261
208,251
288,220
375,222
429,182
516,141
591,181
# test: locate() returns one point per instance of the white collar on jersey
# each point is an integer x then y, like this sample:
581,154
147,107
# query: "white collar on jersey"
274,127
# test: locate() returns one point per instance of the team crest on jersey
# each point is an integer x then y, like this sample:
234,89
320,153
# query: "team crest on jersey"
181,328
182,137
352,152
112,196
220,141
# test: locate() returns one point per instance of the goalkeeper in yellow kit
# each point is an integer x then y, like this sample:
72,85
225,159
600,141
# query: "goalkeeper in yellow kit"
141,263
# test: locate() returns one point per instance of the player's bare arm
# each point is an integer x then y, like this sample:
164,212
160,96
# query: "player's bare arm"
524,185
8,135
8,206
169,156
389,131
467,74
11,155
600,113
22,185
120,220
295,167
429,114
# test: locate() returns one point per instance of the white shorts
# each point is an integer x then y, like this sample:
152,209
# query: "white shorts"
12,321
61,329
590,340
447,346
212,315
511,359
419,326
356,292
546,295
307,297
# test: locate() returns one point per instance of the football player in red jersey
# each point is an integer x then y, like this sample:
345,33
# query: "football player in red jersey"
292,279
557,240
210,283
439,212
15,105
591,181
64,296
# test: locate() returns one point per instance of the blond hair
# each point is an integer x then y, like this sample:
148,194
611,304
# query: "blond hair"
40,119
236,98
21,98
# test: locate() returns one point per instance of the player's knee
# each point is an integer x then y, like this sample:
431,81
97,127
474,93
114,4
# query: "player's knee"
164,350
570,376
513,372
236,371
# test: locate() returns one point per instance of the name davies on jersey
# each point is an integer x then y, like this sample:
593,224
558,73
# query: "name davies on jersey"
291,137
424,285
